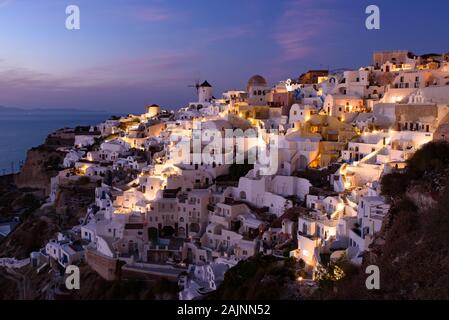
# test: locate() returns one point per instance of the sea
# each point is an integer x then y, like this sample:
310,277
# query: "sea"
21,130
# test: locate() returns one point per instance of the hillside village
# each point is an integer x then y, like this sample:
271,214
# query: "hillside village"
332,136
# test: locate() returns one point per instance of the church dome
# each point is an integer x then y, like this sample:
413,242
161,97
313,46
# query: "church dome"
257,81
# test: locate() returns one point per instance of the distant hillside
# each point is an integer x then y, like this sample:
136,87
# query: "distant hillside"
4,109
12,110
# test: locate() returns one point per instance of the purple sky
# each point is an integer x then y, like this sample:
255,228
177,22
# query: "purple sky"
132,52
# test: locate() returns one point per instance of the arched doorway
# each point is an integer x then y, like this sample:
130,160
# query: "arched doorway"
153,234
194,227
181,232
167,231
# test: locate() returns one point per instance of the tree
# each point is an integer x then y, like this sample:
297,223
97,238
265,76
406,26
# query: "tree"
327,275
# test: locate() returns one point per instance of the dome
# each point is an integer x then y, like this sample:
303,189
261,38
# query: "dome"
257,81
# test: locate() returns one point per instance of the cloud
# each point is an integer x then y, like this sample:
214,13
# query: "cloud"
156,12
123,82
158,66
302,24
231,32
153,14
154,66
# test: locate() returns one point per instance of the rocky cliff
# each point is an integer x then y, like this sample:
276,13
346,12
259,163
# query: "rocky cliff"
41,164
412,251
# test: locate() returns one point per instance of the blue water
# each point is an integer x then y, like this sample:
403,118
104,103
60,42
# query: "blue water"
23,130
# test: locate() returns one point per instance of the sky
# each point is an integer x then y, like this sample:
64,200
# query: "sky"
129,53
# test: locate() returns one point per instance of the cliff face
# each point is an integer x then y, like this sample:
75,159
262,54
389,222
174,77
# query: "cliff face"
412,251
29,236
72,200
41,164
258,278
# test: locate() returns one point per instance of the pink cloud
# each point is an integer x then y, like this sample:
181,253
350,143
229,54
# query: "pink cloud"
301,25
157,66
153,14
141,78
231,32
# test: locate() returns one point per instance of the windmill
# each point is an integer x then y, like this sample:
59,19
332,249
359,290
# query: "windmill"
196,85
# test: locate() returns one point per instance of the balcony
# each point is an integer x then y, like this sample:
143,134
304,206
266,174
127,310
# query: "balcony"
308,236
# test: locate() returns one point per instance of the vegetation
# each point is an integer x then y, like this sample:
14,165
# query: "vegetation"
328,275
236,171
259,277
133,289
53,162
317,178
83,180
412,251
112,136
430,162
